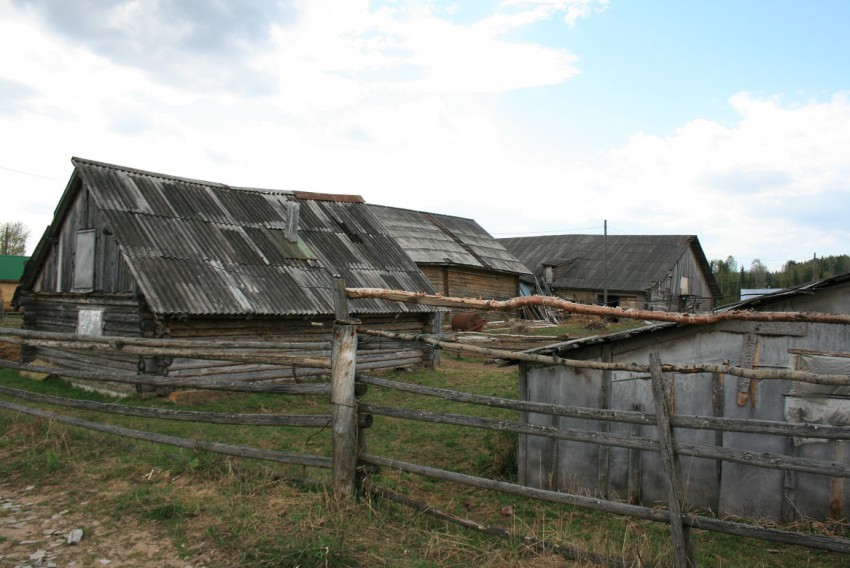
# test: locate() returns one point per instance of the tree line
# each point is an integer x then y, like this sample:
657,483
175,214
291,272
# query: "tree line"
732,277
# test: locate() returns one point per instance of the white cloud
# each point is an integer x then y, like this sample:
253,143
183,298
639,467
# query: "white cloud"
570,10
774,185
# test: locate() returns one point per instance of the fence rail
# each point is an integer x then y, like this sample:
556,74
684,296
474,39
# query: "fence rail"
350,412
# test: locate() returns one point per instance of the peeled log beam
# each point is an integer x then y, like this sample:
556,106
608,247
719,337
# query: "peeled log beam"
776,374
586,309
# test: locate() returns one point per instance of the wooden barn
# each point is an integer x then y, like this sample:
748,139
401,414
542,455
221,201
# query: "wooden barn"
456,254
658,272
11,270
726,488
136,253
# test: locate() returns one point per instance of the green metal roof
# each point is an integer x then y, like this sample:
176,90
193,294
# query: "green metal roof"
12,267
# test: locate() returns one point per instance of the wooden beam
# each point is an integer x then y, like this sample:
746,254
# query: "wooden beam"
587,309
344,412
680,534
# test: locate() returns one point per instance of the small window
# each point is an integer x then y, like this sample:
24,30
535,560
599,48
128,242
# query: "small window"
90,322
84,261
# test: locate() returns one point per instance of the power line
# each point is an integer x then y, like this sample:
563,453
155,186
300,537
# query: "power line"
27,173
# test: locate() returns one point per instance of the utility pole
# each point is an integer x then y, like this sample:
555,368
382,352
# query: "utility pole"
605,260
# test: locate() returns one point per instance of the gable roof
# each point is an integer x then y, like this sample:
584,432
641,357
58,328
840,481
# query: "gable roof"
197,247
635,261
434,239
12,267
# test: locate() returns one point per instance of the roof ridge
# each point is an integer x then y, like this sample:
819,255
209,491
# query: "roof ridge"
77,160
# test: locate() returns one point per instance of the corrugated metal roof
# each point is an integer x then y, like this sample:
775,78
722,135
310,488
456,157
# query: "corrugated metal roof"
12,267
431,238
635,262
197,247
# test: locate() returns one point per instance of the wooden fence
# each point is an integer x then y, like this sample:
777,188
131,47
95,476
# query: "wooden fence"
351,413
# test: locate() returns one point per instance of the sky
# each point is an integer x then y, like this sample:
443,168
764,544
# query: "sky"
725,119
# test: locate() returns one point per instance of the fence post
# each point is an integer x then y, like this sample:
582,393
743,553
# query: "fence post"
683,556
343,403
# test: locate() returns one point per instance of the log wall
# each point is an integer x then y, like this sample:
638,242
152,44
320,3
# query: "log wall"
59,312
126,315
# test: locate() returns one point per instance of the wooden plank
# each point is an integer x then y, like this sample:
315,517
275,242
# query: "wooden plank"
634,467
604,402
682,548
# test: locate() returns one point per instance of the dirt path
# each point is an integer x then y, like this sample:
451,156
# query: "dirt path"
35,524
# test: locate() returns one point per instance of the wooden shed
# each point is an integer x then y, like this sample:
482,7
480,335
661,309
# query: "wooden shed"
456,254
659,272
727,489
11,270
136,253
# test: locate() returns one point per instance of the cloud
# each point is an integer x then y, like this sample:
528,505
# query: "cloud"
14,96
773,182
736,182
194,43
343,50
570,10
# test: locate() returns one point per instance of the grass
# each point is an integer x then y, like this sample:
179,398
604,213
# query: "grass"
253,513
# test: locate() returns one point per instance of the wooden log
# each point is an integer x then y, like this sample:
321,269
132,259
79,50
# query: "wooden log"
126,378
244,355
765,460
825,431
177,343
217,447
683,555
344,412
652,514
340,300
296,420
587,436
587,309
